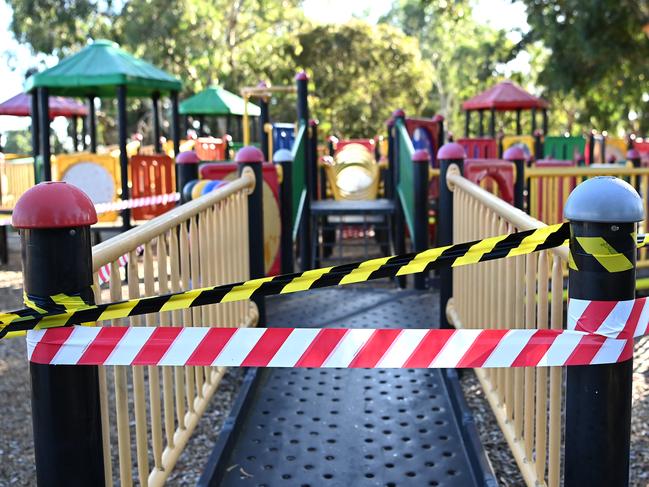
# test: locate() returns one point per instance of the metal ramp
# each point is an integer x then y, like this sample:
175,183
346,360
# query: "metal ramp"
342,427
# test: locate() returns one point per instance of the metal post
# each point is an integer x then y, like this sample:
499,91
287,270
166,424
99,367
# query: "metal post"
175,122
44,112
313,175
264,118
92,124
155,102
591,148
467,122
201,122
84,133
545,122
284,158
421,162
441,135
450,155
399,221
187,168
388,176
519,129
253,158
533,121
517,156
603,212
55,220
481,123
306,251
538,145
123,156
492,124
75,133
603,151
36,143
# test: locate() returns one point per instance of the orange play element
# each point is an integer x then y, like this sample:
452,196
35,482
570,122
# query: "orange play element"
211,149
150,176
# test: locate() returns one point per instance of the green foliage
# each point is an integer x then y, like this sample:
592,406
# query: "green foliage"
461,53
361,74
18,142
598,54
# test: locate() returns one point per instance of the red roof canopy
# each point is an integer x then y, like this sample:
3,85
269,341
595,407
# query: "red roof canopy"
504,96
20,106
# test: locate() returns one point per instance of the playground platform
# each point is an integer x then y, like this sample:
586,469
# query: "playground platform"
341,427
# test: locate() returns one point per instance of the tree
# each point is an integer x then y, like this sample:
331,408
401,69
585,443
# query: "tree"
598,54
361,73
463,54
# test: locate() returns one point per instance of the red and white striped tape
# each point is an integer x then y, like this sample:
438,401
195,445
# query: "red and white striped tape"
158,199
320,347
613,319
103,274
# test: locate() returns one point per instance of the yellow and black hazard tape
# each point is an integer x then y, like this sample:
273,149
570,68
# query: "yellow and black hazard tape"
492,248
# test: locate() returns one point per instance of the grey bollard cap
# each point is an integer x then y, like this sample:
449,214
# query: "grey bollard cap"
604,199
282,155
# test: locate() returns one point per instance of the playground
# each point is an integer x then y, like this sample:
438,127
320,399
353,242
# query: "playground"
321,254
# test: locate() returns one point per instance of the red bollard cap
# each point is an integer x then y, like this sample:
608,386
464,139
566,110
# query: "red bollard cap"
188,157
301,76
421,155
249,154
398,113
54,205
514,154
451,151
438,118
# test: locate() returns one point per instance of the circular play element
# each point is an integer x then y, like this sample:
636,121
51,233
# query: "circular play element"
212,185
197,190
188,188
92,179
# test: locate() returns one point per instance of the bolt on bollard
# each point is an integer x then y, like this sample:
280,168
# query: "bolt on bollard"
284,158
517,156
54,221
603,212
421,162
253,158
449,155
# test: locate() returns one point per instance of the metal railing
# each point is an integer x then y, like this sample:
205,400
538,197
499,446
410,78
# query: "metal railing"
549,188
149,413
16,177
521,292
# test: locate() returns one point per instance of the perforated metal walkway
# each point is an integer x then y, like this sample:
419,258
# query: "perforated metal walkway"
342,427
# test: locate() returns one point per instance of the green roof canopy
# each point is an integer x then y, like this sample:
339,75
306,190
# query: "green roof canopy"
216,101
98,69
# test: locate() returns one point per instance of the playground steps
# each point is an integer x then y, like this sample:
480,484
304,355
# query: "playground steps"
341,427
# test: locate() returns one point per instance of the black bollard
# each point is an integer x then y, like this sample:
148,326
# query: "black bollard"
284,158
253,158
421,163
399,221
451,154
54,221
603,212
187,168
517,156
